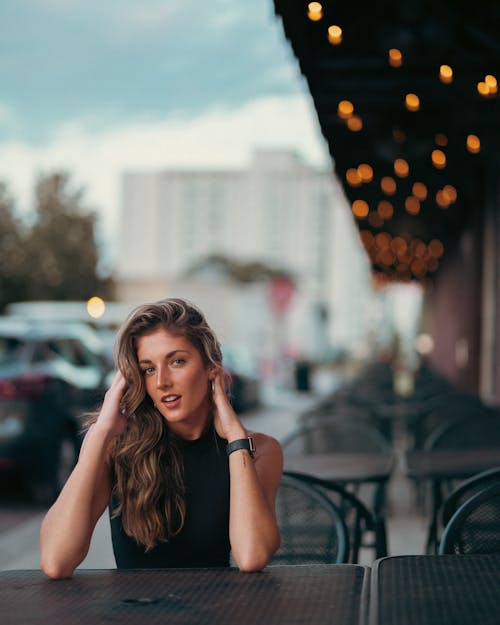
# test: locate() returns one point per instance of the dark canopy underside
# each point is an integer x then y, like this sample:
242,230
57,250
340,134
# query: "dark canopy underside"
428,34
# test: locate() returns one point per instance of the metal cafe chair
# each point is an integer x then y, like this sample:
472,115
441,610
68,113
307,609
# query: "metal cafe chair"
475,526
467,489
330,435
473,431
312,528
364,528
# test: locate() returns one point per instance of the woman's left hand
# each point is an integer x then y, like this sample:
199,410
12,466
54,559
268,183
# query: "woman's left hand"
226,421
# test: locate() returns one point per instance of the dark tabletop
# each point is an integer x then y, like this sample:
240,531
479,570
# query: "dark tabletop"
436,590
449,463
342,467
307,594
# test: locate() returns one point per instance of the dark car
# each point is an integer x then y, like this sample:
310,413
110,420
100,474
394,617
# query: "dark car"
50,375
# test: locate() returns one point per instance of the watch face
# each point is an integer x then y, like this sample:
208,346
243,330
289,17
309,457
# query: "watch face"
252,449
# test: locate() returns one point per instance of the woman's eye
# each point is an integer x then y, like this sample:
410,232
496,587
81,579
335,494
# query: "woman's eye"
178,362
148,371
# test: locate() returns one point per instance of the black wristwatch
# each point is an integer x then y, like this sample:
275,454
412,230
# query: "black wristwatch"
242,443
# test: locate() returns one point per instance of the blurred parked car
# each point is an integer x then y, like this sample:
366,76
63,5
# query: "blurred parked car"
50,375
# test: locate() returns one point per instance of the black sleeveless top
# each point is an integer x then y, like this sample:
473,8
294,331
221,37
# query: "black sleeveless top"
204,539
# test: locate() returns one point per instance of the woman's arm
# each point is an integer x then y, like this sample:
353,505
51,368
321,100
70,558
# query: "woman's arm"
68,525
253,529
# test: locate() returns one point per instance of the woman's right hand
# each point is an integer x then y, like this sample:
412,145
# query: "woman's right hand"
111,416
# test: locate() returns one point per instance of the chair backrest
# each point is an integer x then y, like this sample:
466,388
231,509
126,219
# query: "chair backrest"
359,520
311,526
467,489
331,435
475,526
471,432
446,408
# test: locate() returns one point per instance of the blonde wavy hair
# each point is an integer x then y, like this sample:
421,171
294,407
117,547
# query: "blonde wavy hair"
147,467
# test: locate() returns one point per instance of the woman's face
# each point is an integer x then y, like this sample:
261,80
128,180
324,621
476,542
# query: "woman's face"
176,379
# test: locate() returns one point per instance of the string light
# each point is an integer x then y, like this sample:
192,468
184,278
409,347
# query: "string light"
401,168
473,144
445,74
360,209
450,191
388,185
488,86
412,205
492,83
442,199
355,123
353,178
395,57
345,109
419,190
412,102
314,11
483,89
335,35
365,172
385,209
438,159
436,248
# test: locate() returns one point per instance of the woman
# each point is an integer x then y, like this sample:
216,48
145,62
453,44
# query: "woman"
170,457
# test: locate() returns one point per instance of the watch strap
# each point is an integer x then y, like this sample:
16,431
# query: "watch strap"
242,443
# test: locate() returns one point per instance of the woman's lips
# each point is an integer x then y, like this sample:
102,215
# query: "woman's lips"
171,401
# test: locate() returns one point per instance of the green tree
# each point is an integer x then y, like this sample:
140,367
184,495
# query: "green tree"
62,254
13,285
56,256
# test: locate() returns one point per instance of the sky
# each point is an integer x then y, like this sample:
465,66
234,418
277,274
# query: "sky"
98,87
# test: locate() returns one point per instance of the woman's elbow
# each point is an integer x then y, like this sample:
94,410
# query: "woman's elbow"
252,564
56,570
256,559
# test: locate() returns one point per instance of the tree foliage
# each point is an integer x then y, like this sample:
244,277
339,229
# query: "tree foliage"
241,272
56,257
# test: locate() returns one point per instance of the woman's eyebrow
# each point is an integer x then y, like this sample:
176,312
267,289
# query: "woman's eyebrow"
169,355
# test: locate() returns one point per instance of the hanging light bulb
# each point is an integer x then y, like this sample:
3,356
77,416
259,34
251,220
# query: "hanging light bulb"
395,57
419,190
353,178
445,74
473,144
401,168
345,109
360,209
314,11
388,185
438,159
355,123
491,83
385,209
365,172
335,35
412,205
412,102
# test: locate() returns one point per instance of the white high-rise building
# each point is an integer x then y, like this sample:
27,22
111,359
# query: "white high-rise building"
279,211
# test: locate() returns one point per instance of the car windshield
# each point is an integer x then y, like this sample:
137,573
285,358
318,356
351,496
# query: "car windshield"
10,349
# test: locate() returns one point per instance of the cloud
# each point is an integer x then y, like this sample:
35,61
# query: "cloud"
217,139
7,115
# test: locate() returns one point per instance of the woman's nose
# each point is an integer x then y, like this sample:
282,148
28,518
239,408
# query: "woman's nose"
162,378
